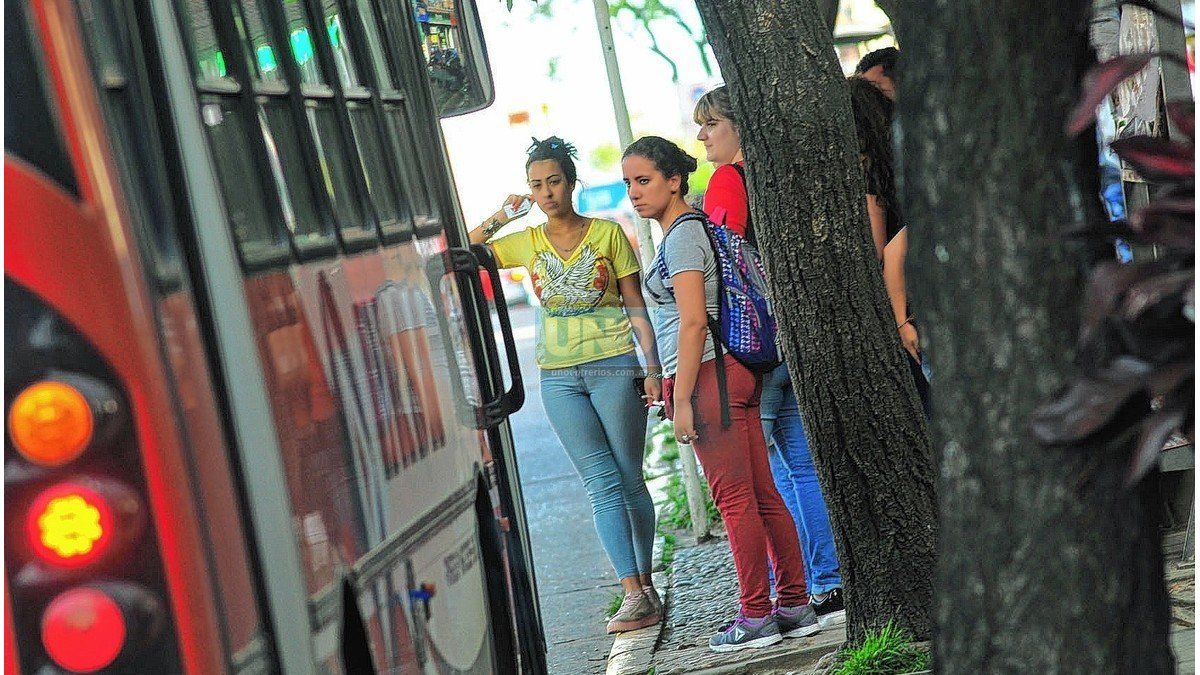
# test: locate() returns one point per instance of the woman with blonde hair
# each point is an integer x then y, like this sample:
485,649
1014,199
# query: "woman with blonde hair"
727,202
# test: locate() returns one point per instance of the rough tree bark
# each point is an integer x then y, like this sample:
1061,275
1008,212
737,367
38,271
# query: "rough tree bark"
1045,563
861,410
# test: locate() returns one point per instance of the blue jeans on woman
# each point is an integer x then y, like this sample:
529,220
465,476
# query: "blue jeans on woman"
601,421
796,479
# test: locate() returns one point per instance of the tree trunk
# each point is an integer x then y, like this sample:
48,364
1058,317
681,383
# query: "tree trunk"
860,407
829,10
1045,563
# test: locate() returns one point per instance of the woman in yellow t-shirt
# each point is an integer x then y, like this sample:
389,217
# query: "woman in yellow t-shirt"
586,275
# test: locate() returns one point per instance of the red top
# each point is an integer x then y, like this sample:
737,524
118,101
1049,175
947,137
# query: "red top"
726,201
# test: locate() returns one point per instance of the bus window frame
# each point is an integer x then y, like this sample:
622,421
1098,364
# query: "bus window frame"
369,94
368,235
401,95
414,98
292,100
234,89
124,78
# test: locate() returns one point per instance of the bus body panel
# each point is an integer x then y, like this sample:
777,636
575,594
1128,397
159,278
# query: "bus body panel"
366,366
77,260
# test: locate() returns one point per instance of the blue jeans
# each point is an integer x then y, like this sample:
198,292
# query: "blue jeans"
796,479
601,421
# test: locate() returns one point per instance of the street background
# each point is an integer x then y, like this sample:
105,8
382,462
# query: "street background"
575,581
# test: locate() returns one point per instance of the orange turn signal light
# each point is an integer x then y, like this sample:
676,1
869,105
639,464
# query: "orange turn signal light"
50,423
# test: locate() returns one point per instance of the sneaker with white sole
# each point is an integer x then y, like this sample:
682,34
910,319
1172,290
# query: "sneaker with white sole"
636,612
741,633
831,609
797,621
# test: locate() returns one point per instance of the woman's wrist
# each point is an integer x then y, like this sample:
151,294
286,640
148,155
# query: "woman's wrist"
492,226
909,321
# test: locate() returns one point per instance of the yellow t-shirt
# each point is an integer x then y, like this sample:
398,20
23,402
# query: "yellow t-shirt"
582,315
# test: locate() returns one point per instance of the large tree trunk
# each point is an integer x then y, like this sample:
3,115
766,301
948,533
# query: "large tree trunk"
1045,563
807,199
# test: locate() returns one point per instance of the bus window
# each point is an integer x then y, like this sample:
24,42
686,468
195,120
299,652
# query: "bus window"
208,61
300,35
322,122
257,42
394,111
409,161
379,185
370,23
110,41
291,175
340,41
32,135
238,178
255,214
346,43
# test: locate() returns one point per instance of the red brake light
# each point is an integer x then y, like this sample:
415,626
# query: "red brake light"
83,630
70,525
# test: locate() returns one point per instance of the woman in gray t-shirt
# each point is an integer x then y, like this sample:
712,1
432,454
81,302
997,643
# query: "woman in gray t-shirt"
683,282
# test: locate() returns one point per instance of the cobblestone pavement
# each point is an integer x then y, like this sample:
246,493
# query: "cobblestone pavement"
1181,584
704,595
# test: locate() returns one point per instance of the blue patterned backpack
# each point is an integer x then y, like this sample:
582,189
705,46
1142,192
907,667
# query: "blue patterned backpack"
744,325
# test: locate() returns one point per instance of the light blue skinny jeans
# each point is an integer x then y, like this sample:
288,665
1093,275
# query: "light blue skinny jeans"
601,421
796,479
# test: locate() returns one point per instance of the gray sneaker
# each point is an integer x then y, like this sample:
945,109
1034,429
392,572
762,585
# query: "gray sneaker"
741,635
637,611
797,621
655,600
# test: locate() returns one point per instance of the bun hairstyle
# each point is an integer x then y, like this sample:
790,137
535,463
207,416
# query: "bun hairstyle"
668,158
713,105
554,149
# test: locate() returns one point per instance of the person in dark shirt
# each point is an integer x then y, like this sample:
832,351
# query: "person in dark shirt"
879,68
873,124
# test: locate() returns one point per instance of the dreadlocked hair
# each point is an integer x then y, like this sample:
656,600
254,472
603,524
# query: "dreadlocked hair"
557,150
873,123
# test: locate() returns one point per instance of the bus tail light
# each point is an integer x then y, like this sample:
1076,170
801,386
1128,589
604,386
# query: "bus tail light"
50,423
82,522
89,628
83,630
53,421
86,579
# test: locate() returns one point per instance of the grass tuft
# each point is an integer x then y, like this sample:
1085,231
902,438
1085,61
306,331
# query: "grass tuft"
668,549
614,605
675,514
886,652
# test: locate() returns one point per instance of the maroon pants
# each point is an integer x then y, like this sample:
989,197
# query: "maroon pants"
735,464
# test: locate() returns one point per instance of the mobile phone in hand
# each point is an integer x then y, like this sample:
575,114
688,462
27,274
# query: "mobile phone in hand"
520,210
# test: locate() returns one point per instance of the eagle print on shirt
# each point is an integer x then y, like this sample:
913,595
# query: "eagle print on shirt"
570,290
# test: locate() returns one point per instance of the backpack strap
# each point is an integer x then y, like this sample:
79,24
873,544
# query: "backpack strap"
714,333
714,324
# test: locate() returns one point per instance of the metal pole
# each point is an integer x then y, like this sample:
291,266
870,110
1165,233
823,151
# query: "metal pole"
621,113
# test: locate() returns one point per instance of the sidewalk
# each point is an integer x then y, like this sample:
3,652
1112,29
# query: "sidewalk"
701,597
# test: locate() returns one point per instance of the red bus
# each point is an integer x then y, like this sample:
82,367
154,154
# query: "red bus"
256,408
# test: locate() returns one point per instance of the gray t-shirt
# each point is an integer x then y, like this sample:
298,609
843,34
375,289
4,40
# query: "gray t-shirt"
685,247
